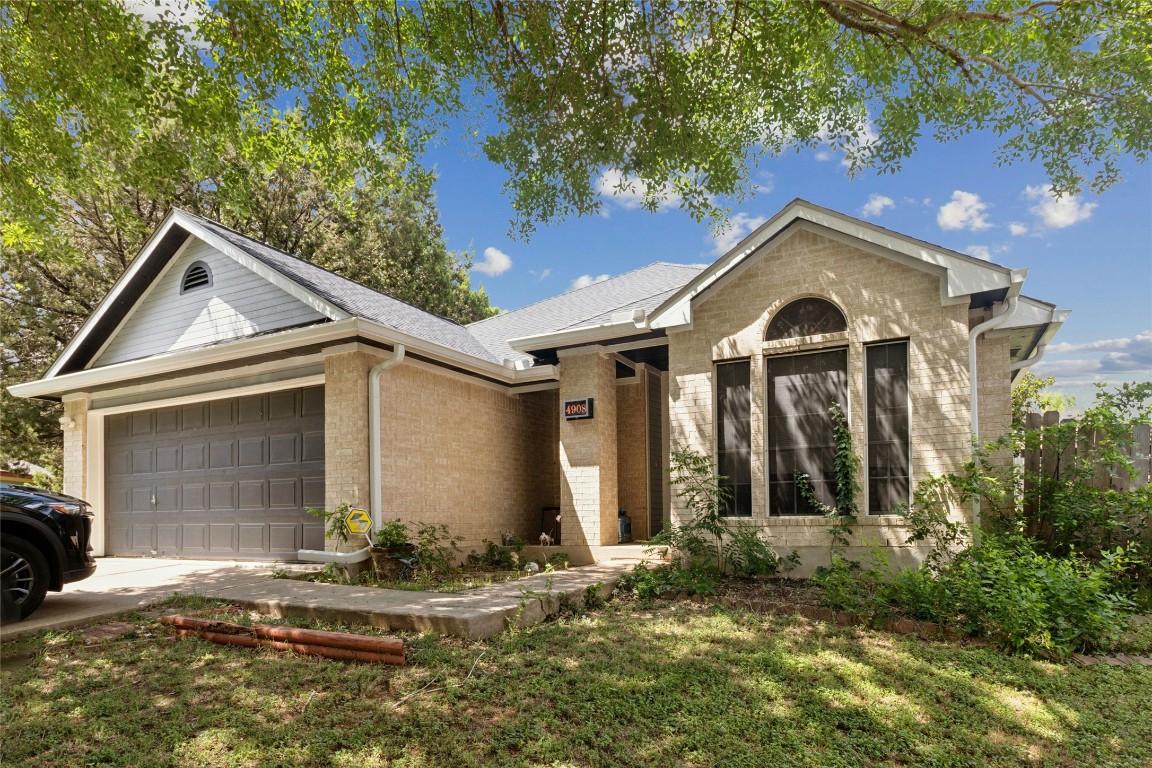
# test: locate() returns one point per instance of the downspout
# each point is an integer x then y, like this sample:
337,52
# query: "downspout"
974,387
1020,364
374,466
375,469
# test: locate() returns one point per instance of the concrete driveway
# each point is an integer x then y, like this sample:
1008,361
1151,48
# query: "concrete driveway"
125,583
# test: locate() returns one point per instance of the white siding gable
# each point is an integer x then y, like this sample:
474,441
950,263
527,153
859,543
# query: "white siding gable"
239,303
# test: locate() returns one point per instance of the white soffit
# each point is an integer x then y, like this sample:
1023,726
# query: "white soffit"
961,275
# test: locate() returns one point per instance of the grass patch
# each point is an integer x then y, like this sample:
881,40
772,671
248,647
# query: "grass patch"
625,685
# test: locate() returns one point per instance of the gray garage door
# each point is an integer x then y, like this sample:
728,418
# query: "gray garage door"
226,479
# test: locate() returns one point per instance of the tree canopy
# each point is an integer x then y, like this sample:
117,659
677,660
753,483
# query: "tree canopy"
676,97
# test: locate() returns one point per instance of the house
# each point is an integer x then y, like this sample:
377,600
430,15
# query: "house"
223,386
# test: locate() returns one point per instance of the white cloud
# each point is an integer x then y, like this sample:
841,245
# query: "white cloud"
181,13
1141,341
965,211
1122,355
876,205
544,275
1058,213
824,155
629,192
1017,228
495,262
586,280
979,251
739,226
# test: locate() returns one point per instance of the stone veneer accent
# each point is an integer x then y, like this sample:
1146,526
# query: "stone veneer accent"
75,450
883,301
588,490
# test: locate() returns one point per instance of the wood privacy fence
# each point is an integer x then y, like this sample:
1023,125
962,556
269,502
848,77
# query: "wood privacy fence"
1052,457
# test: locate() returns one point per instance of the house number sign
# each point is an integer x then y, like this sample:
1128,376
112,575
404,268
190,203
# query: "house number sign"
578,409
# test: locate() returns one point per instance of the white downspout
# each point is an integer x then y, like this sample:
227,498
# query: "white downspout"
1030,361
375,470
974,387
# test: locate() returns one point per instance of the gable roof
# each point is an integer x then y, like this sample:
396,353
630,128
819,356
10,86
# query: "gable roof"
641,289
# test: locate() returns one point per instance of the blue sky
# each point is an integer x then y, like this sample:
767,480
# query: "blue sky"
1091,254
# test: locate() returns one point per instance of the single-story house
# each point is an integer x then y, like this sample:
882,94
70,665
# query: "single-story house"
223,386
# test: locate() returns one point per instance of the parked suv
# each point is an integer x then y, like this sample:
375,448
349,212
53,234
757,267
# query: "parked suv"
44,544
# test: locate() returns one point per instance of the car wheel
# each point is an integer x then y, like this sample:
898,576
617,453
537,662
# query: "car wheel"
23,578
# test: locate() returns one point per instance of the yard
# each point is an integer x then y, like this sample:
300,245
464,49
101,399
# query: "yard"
668,684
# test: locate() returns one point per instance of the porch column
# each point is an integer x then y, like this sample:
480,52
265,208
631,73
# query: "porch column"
588,494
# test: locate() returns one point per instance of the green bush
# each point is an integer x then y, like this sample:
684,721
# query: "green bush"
648,583
748,555
436,549
846,587
493,557
393,533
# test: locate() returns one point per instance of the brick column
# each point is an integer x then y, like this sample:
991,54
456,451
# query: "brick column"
75,447
588,500
346,463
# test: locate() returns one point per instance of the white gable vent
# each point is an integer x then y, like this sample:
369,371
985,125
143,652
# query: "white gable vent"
196,276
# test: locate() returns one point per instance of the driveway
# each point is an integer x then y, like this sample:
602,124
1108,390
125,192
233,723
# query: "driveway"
125,583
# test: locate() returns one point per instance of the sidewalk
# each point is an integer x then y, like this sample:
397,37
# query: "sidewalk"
475,614
125,584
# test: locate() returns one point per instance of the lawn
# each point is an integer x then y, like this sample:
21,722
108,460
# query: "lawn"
624,685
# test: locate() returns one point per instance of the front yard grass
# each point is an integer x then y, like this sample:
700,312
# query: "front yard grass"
626,685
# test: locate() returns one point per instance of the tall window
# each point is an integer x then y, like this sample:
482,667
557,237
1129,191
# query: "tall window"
888,442
801,389
734,435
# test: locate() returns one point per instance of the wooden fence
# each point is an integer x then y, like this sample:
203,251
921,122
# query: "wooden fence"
1052,457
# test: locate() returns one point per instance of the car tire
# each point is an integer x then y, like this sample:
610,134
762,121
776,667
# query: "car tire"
23,578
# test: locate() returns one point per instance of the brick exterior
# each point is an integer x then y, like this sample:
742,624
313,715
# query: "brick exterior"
588,490
75,450
632,453
475,458
346,464
882,300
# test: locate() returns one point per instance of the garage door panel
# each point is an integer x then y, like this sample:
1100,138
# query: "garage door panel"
168,458
251,495
252,451
227,478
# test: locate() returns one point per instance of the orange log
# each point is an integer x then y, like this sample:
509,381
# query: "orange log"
384,645
344,654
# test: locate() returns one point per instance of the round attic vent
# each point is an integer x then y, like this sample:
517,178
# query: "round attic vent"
196,276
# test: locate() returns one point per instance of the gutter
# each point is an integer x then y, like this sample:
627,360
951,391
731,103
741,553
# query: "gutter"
974,384
374,472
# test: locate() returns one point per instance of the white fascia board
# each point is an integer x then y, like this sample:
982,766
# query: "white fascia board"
287,285
962,275
583,335
503,373
170,362
133,268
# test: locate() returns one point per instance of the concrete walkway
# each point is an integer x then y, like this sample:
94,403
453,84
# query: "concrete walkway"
475,614
124,584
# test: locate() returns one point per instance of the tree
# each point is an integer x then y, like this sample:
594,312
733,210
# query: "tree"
672,97
384,232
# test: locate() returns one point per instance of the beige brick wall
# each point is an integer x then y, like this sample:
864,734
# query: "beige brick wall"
882,301
588,477
346,464
465,455
632,452
75,451
994,386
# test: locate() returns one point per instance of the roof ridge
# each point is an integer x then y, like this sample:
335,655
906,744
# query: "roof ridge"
577,290
321,268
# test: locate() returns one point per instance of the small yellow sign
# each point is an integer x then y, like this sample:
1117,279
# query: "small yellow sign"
358,521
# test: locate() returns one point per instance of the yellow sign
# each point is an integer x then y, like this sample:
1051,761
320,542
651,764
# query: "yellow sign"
358,521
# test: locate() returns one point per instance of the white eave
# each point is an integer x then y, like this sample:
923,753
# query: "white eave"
178,218
960,275
626,323
187,359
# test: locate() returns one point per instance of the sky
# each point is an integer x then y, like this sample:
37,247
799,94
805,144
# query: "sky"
1090,254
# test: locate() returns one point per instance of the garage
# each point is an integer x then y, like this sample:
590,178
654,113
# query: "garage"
225,478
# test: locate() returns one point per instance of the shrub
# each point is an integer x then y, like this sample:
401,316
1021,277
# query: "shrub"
648,582
748,555
493,557
393,533
437,550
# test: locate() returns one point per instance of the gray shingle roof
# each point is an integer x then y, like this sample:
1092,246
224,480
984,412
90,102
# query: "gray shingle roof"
644,288
355,299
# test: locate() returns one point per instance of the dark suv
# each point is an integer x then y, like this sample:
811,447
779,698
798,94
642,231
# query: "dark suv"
43,545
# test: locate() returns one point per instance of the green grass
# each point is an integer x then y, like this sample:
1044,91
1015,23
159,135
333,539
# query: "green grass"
623,686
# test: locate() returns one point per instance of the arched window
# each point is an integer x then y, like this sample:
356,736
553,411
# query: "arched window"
196,276
806,317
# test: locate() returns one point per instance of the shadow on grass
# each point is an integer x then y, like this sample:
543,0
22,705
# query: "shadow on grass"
697,688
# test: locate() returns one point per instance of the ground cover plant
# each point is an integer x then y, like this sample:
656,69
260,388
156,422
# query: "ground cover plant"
633,685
